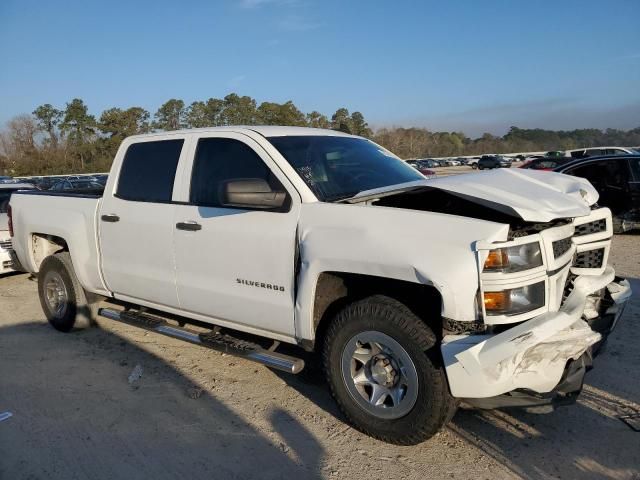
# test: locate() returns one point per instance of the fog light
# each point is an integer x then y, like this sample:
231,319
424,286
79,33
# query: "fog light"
515,301
496,300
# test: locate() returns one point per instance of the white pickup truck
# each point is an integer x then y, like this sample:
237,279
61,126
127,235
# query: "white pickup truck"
489,288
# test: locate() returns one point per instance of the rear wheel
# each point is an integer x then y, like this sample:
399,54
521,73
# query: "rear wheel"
62,298
382,363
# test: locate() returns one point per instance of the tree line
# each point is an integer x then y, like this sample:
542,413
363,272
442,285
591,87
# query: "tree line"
54,140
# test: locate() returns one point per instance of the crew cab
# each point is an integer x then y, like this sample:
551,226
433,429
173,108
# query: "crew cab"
317,238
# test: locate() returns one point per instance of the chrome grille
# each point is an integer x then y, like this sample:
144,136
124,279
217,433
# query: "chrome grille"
560,247
596,226
5,244
589,259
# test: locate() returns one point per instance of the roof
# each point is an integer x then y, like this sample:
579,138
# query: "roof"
577,161
265,130
612,147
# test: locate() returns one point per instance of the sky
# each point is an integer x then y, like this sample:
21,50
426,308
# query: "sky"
471,66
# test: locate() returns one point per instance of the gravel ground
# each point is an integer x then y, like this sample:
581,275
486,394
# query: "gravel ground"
198,414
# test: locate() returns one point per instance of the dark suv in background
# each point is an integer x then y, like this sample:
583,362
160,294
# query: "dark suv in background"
617,180
493,161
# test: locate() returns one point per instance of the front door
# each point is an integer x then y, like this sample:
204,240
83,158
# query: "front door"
236,264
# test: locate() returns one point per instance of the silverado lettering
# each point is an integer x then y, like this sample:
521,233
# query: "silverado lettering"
268,286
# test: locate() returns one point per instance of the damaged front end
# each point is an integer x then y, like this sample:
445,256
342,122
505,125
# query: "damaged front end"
548,301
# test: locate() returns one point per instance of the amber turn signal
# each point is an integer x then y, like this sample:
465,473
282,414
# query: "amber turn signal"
497,300
497,259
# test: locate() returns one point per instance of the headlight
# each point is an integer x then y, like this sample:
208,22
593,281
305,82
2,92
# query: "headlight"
514,259
515,300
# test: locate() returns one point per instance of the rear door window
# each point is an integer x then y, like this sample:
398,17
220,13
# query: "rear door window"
148,171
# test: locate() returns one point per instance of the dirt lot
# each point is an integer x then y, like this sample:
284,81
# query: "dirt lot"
197,414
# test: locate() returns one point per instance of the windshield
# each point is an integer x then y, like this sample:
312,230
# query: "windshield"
335,168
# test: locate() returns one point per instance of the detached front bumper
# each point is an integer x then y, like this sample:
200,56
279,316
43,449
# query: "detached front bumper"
533,359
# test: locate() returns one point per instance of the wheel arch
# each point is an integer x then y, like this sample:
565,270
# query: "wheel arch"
42,245
334,290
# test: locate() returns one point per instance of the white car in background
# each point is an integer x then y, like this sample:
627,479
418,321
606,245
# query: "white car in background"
473,162
6,189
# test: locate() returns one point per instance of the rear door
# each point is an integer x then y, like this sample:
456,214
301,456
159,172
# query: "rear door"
235,264
136,221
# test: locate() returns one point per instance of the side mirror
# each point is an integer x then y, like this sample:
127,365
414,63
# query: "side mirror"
251,193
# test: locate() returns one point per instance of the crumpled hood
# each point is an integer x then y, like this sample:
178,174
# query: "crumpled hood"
534,196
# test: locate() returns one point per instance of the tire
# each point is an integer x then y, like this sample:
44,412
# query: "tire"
62,298
474,166
425,404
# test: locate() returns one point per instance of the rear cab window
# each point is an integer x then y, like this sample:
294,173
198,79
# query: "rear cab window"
148,171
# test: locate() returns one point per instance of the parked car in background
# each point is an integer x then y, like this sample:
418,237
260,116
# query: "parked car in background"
617,180
554,154
6,189
473,162
429,163
4,178
544,163
493,161
101,178
45,183
601,151
421,166
77,185
452,162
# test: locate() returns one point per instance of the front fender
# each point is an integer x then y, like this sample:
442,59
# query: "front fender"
421,247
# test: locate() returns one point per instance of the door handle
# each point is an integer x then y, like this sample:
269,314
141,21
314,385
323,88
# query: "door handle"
111,218
189,226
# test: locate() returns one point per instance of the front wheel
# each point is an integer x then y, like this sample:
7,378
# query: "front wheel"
62,298
385,373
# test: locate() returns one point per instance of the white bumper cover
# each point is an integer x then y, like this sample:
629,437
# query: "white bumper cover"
532,355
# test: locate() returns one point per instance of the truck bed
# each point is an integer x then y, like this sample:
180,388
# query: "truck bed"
64,217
